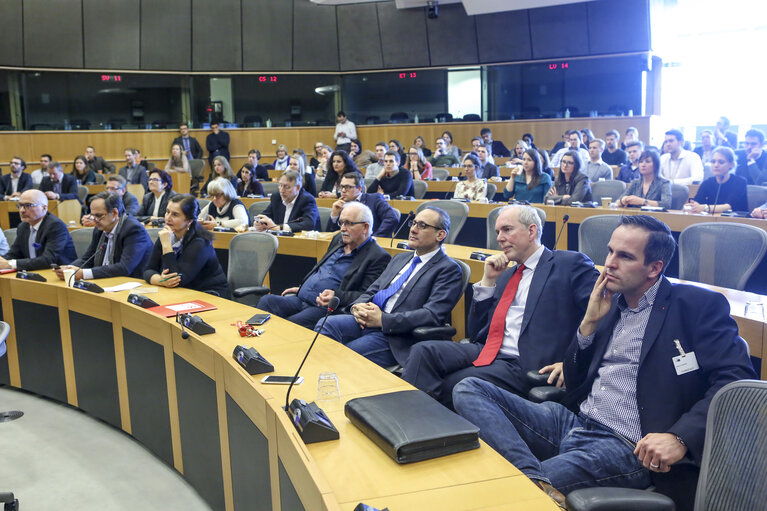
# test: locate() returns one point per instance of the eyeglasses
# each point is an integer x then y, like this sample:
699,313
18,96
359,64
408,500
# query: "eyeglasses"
27,205
422,225
345,188
347,223
285,187
99,216
154,179
565,162
469,166
412,154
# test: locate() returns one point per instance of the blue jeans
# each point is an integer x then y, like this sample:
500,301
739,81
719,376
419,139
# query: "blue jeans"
293,309
371,343
548,442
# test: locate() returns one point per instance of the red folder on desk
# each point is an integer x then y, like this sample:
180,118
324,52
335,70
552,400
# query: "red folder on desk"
8,270
192,307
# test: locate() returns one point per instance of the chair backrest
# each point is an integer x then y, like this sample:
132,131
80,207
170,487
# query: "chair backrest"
69,210
203,203
593,235
318,181
457,211
491,189
250,256
492,241
271,187
612,188
153,232
196,167
757,195
420,188
707,254
679,195
368,182
707,172
82,239
82,193
440,174
465,275
100,179
735,449
257,208
137,190
5,329
10,235
324,217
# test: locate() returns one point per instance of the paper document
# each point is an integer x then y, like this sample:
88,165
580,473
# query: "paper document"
122,287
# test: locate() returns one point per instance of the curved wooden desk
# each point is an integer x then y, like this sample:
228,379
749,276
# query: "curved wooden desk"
190,404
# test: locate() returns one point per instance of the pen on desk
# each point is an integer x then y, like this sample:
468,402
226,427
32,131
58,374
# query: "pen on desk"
168,278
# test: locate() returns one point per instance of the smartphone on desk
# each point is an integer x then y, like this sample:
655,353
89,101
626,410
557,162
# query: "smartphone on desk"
282,380
259,319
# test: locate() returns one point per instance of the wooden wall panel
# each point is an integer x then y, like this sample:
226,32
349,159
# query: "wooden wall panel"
53,33
11,33
166,35
112,29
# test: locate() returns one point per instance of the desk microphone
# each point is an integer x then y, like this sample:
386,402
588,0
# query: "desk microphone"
100,249
564,222
716,199
184,333
453,184
309,419
405,221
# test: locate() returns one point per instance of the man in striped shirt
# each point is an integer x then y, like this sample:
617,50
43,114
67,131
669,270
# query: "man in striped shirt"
640,374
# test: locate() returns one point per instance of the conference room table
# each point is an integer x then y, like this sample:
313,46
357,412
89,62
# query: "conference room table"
198,411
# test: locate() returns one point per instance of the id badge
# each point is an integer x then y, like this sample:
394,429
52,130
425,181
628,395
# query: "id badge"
685,363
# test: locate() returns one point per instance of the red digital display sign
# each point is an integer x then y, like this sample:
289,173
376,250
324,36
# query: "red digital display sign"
111,78
267,79
405,76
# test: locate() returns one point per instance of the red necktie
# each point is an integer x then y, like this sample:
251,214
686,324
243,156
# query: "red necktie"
498,323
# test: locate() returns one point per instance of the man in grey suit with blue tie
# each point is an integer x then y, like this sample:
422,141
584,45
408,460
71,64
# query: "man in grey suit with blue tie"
416,289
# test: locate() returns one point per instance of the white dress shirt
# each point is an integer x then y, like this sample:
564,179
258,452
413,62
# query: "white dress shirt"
424,259
32,238
288,210
684,170
348,128
557,158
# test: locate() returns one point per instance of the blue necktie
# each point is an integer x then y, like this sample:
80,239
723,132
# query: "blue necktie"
186,145
383,295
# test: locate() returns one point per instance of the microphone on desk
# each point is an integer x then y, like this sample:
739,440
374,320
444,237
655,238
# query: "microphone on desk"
564,222
401,225
308,418
184,333
716,199
451,189
85,263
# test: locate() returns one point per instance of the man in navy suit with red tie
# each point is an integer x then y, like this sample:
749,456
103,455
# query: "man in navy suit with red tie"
521,319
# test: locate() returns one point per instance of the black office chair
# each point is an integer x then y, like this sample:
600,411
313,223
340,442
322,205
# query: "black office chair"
10,502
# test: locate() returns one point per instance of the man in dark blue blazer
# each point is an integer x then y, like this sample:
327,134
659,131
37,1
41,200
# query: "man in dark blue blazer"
134,172
534,331
41,238
353,262
640,374
416,289
57,185
301,208
385,217
189,144
120,246
17,182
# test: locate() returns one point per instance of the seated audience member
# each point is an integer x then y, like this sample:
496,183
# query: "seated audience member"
183,254
57,185
486,168
650,189
440,156
247,183
283,158
317,157
82,173
177,162
224,208
192,148
679,165
392,180
116,184
292,209
322,168
545,162
133,172
361,158
638,418
519,149
4,246
706,148
630,171
586,137
96,163
385,217
528,183
565,142
722,135
614,155
217,143
396,146
496,147
261,173
528,139
420,143
341,164
419,167
221,168
298,164
571,185
509,322
574,144
476,143
120,246
724,191
375,168
597,169
17,182
471,188
155,202
449,147
41,238
351,264
631,135
416,289
752,160
39,174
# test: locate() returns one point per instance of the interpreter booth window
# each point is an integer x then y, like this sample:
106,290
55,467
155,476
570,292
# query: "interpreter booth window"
464,92
5,102
82,101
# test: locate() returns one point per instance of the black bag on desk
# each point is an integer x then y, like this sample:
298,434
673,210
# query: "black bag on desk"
411,426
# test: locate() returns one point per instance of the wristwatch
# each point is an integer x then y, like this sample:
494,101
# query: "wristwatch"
645,202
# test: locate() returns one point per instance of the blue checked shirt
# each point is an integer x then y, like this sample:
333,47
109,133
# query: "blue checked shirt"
613,398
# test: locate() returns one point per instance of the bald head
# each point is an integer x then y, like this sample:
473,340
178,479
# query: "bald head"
35,196
33,204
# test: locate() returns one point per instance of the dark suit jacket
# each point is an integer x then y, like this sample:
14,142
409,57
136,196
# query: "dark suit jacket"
217,145
560,290
132,247
140,178
366,267
490,170
6,188
99,164
426,300
385,217
499,149
303,217
68,186
56,245
578,189
144,213
668,403
754,174
130,202
194,146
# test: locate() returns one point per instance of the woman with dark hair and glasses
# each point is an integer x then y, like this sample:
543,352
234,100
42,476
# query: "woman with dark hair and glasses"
396,146
340,163
528,183
417,164
571,184
650,189
473,188
248,184
183,254
155,202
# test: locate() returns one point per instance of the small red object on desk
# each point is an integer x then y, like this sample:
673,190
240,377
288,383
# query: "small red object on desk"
247,330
